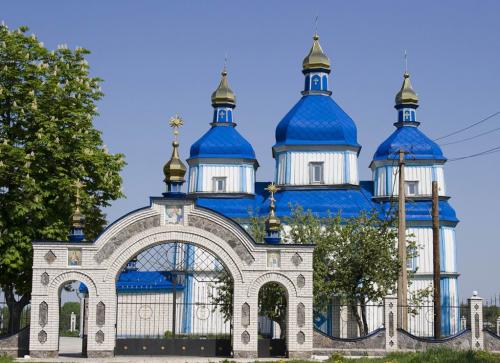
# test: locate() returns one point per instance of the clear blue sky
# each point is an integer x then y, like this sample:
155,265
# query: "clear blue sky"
162,57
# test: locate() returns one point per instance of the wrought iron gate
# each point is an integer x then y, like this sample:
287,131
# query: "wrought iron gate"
166,303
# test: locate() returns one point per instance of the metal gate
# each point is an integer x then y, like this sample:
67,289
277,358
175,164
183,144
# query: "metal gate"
167,303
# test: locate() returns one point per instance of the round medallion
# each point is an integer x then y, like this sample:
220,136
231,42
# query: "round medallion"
145,312
202,312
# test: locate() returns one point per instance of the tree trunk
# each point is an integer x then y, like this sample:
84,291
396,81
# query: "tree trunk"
354,308
282,324
363,317
15,309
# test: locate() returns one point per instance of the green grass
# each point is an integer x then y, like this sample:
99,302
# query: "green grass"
4,359
430,356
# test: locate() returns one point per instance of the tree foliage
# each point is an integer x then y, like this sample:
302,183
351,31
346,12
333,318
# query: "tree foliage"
47,142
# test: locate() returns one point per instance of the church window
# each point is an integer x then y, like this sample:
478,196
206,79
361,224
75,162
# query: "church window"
219,184
411,188
316,83
316,173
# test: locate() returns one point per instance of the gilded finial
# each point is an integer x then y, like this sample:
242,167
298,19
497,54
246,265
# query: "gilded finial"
77,219
175,170
272,222
223,95
406,94
316,59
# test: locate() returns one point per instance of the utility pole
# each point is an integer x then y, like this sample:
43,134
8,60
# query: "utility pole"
436,260
403,273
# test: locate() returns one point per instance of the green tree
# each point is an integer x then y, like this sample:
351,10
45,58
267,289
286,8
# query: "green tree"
65,316
47,142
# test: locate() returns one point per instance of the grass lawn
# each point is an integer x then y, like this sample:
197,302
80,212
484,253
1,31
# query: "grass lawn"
430,356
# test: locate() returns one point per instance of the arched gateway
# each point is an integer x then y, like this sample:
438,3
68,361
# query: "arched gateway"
169,220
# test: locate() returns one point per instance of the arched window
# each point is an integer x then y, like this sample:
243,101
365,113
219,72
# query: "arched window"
316,83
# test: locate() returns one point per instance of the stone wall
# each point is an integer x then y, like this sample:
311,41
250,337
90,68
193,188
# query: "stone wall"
16,345
372,344
491,342
406,341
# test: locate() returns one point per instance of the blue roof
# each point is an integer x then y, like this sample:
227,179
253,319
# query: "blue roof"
316,120
419,146
349,202
421,210
130,281
222,142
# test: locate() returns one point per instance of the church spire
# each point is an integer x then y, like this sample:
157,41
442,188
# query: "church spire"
406,103
174,169
273,224
223,101
76,233
316,67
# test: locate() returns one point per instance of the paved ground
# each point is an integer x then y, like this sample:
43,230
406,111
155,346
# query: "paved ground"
70,350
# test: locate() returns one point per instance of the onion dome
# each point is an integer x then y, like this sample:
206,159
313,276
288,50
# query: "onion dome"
316,59
174,170
273,224
408,136
413,141
406,95
316,120
222,140
223,95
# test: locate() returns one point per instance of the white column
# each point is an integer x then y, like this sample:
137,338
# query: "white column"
390,322
476,321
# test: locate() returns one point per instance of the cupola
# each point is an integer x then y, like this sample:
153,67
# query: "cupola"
174,170
77,219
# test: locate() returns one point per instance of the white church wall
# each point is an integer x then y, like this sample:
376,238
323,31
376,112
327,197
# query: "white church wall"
238,178
423,238
386,179
339,167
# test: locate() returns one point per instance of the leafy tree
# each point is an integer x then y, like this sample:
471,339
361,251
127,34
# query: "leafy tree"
47,142
65,316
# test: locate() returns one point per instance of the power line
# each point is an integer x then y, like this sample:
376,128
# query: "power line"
472,137
469,127
486,152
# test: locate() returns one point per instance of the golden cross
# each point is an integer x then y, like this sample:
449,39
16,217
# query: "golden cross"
176,122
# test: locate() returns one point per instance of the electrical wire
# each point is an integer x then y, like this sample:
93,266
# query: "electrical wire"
485,152
469,127
471,138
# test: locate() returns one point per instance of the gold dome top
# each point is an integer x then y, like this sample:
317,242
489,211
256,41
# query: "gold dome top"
316,57
406,94
223,95
175,170
273,223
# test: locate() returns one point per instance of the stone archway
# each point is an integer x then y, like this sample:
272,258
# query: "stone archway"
98,263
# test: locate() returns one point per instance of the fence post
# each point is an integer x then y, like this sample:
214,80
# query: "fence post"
476,321
498,326
390,322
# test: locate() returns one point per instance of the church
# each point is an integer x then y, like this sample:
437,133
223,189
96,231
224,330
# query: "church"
183,275
316,156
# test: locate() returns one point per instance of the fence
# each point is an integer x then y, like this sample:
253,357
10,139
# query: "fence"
24,319
340,320
420,320
491,317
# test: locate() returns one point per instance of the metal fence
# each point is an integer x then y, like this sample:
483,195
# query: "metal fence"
341,321
491,317
420,320
24,319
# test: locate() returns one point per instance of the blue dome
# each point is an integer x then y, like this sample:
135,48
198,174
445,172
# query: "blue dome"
316,120
222,142
411,139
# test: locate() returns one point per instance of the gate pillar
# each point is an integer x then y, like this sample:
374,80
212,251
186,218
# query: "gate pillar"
246,321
